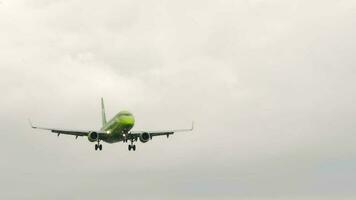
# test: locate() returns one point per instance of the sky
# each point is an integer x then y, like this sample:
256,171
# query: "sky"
270,85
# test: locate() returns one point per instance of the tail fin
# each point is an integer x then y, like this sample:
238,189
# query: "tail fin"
103,115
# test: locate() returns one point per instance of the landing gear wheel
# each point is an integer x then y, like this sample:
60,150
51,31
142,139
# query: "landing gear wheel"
96,147
133,147
100,147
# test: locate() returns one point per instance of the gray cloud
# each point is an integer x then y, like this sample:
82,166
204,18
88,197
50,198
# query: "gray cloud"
269,83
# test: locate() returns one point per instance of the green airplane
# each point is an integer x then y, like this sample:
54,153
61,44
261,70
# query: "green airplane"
118,129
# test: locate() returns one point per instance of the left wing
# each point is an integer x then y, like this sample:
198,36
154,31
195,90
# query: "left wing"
136,134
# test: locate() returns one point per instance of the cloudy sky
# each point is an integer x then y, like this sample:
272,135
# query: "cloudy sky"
270,83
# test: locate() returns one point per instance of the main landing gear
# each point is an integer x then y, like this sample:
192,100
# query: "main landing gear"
98,146
132,146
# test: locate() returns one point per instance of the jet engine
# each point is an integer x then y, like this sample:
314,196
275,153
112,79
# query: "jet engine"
145,137
93,136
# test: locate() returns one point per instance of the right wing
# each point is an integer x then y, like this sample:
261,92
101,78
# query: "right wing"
69,132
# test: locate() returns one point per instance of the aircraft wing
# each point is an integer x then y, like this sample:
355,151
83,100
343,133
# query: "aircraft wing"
136,134
68,131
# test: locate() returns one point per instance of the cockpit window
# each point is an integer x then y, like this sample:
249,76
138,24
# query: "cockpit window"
126,114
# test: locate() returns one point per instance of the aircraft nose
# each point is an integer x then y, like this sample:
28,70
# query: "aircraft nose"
127,122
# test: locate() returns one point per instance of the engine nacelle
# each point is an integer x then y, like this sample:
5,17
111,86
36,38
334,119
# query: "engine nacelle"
145,137
93,136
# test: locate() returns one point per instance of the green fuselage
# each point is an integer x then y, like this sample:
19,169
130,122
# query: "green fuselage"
118,126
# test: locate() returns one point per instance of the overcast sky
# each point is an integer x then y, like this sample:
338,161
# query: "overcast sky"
270,84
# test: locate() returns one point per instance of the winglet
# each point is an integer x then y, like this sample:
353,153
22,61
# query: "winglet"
32,126
192,126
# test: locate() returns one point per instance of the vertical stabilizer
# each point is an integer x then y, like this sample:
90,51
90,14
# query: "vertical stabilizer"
103,115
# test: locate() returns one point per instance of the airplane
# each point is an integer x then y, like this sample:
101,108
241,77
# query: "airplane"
118,129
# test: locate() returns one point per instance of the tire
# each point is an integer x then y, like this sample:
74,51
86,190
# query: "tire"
134,147
96,147
129,147
101,147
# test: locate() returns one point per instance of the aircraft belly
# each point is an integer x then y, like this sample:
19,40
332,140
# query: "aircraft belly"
113,138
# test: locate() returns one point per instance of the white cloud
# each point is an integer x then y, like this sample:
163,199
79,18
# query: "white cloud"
269,83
